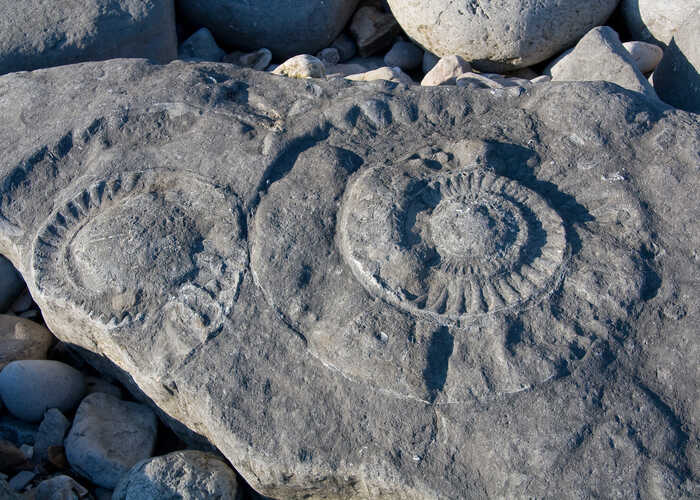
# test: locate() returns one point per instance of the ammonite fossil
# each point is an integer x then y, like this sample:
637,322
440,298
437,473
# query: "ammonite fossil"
450,244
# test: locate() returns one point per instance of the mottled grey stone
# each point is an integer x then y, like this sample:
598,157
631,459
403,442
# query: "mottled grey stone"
286,27
301,66
371,290
601,56
677,77
22,339
30,387
51,432
645,55
181,474
498,35
653,20
42,33
108,437
201,46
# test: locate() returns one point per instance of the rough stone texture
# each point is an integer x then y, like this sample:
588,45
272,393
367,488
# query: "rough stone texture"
499,35
182,474
427,292
677,78
601,56
301,66
286,27
22,339
645,55
60,488
30,387
42,33
11,284
385,73
52,430
202,46
653,20
108,437
446,71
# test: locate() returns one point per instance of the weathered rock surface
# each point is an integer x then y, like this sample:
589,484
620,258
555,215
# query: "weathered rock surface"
182,474
677,77
52,430
601,56
22,339
499,35
42,33
286,27
645,55
30,387
301,66
108,437
364,290
60,487
655,21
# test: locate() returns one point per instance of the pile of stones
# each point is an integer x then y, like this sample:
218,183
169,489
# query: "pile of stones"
68,433
286,304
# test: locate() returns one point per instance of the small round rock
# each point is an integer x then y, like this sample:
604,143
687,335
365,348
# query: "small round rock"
181,474
301,66
22,339
30,387
406,55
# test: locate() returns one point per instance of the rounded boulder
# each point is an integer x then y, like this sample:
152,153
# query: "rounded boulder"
30,387
501,35
286,27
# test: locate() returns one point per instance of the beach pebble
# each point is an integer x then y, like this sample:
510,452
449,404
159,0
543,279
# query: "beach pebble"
22,479
108,437
406,55
301,66
646,55
22,339
346,46
446,71
60,487
181,474
385,73
51,432
329,55
30,387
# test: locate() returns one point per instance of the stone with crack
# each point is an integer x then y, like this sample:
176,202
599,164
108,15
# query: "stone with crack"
368,290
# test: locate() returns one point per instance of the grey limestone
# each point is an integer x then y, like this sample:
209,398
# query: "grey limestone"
653,20
366,290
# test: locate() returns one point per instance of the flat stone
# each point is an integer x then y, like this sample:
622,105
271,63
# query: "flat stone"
22,339
301,66
601,56
385,73
52,430
59,487
285,27
446,71
373,30
181,474
654,21
676,79
11,284
108,437
30,387
499,35
367,291
42,33
645,55
201,46
406,55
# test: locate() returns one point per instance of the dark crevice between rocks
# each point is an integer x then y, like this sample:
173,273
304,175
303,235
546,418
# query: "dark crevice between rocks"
439,353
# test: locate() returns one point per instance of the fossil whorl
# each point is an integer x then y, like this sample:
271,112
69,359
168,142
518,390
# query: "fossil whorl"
451,244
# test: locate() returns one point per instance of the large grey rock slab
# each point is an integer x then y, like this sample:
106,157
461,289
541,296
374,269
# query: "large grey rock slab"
108,437
181,474
499,35
364,290
42,33
286,27
601,56
654,21
677,77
